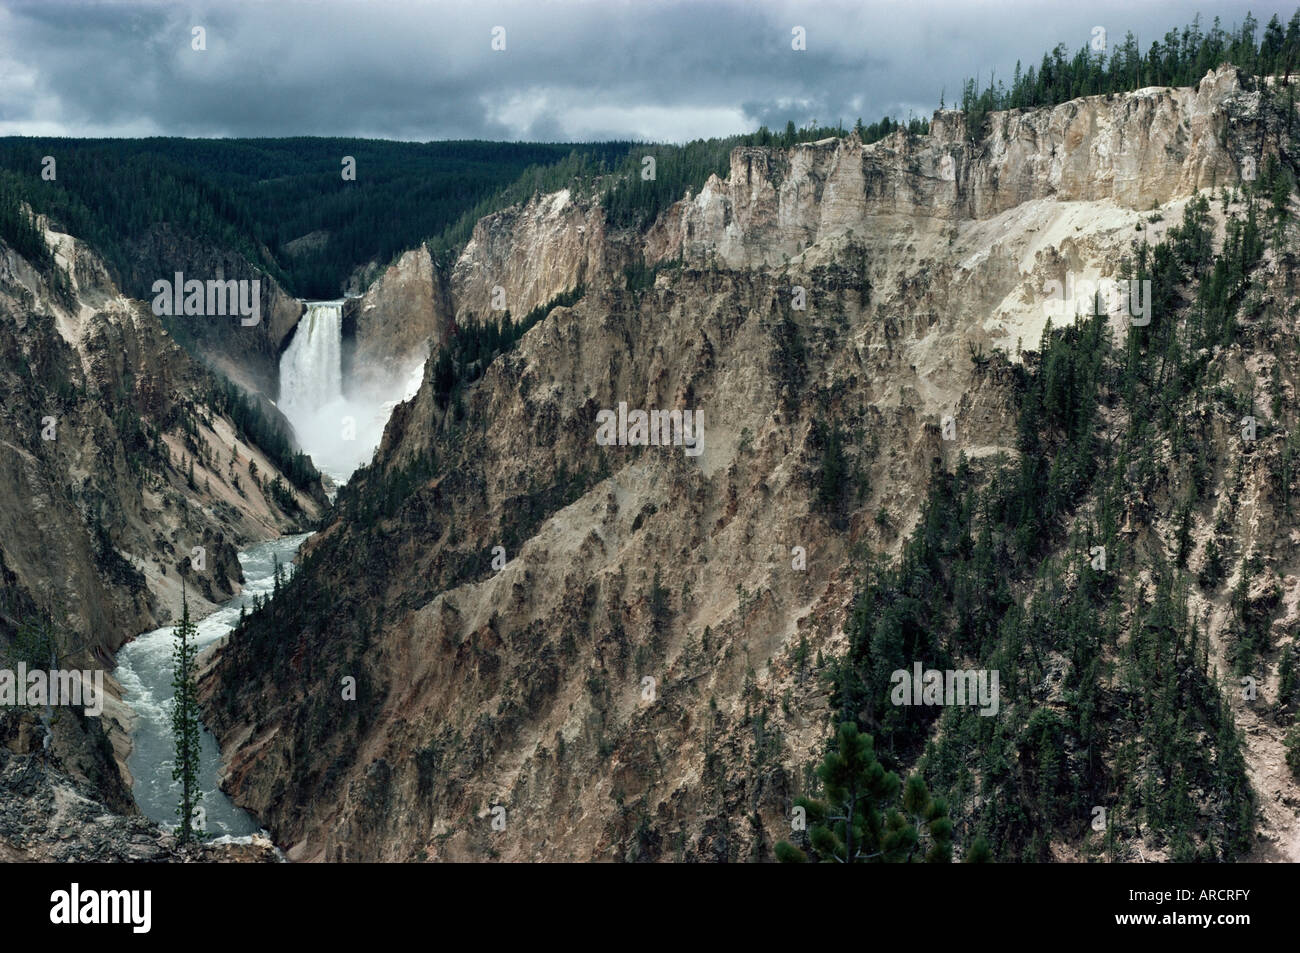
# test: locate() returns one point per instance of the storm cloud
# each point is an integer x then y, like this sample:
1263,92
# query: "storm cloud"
668,71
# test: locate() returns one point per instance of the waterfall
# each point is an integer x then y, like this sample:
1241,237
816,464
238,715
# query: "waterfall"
339,430
311,368
311,391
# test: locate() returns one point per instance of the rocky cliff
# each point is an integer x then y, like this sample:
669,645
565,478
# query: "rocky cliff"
1133,152
516,260
403,316
631,674
248,355
47,816
1136,151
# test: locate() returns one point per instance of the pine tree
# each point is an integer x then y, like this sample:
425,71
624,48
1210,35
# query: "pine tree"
858,822
1287,680
660,608
980,852
185,723
1292,745
834,467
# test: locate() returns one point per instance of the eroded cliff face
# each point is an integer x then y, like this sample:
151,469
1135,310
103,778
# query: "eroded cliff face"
249,356
1132,152
1136,151
116,469
404,315
516,260
636,679
532,253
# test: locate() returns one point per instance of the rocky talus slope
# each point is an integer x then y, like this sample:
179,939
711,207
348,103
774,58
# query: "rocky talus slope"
47,816
638,676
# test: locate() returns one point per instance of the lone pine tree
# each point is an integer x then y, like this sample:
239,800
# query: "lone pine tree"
859,822
185,723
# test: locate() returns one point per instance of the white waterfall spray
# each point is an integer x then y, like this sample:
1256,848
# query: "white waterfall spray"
338,429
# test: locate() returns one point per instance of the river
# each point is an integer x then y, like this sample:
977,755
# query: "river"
144,670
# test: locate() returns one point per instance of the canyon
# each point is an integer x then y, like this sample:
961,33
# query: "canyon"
511,639
521,687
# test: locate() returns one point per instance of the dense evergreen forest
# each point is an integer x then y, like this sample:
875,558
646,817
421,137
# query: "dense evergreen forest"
257,196
18,229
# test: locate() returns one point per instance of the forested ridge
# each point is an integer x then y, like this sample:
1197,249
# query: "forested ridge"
257,196
1181,58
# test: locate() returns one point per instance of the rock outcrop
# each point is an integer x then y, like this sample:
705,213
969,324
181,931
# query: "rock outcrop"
516,260
532,253
248,355
404,314
46,816
1136,151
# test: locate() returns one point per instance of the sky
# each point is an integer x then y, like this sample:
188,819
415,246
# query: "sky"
570,70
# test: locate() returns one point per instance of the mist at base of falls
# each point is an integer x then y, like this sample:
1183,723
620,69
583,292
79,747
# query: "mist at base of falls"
338,423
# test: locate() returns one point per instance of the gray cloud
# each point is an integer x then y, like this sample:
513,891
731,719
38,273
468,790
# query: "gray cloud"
571,70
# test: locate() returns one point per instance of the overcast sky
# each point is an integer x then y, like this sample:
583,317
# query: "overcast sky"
570,70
